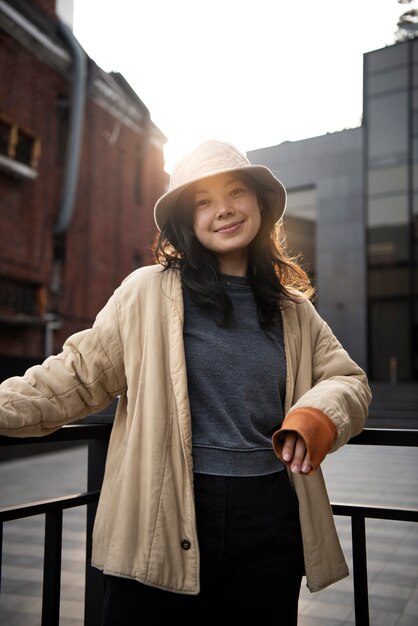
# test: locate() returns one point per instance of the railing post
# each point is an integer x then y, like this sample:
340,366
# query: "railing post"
93,599
1,550
361,594
52,569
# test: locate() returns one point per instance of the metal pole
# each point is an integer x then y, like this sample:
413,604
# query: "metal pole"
94,579
52,569
361,594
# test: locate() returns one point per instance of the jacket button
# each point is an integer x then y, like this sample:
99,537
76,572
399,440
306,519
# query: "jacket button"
185,544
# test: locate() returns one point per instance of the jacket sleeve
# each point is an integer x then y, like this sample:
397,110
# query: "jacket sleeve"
335,408
82,379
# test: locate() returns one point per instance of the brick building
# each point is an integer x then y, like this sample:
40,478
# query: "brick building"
81,166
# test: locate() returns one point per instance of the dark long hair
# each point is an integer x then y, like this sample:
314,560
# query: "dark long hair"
275,277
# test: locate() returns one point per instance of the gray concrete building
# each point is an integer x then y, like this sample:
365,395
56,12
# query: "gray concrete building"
325,222
353,214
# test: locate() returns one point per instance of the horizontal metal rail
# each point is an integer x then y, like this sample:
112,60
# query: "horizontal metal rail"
83,432
69,432
19,511
386,437
400,514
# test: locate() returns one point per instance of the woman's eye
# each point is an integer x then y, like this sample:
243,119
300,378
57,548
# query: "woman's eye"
202,202
237,190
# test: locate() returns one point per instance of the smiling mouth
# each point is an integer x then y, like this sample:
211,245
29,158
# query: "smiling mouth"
229,227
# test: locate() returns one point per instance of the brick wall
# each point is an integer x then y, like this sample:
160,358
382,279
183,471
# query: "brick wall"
112,228
28,96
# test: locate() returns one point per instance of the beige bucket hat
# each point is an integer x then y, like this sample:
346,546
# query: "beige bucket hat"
210,158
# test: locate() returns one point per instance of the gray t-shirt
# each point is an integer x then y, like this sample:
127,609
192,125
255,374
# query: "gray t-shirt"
236,383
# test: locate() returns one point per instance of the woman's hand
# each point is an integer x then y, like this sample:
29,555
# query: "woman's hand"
294,452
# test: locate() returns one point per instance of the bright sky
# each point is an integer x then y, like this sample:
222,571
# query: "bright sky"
252,72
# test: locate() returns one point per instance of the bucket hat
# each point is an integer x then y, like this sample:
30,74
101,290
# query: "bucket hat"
211,158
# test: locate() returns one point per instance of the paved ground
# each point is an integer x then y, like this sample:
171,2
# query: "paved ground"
380,476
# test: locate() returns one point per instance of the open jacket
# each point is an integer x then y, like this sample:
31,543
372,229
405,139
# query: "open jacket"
145,523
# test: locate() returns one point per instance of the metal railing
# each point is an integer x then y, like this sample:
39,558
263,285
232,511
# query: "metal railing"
359,513
97,436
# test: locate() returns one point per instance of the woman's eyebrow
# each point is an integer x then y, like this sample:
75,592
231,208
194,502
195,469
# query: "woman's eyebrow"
229,182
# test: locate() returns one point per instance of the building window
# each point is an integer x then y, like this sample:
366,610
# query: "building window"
137,261
387,81
20,300
385,180
300,222
386,345
388,142
391,124
387,58
18,144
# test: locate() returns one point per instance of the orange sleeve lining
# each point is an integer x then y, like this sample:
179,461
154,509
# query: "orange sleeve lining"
316,429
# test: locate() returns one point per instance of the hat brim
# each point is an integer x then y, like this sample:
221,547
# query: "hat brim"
276,196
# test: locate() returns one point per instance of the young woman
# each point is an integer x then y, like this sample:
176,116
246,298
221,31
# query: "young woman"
232,390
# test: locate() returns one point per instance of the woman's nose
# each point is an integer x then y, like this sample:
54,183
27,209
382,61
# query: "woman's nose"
224,208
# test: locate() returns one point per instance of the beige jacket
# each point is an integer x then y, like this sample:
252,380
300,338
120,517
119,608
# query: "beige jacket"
145,523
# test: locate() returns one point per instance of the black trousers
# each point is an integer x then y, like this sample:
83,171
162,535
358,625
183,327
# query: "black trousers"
251,559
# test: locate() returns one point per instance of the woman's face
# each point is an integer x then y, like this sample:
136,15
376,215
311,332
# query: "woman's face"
226,219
